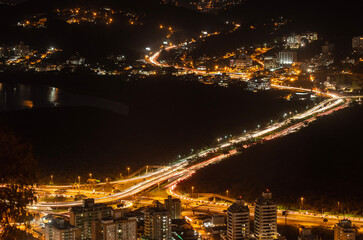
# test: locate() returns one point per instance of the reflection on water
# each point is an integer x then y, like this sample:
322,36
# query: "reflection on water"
25,96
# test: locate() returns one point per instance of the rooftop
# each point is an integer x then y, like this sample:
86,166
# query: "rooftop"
238,206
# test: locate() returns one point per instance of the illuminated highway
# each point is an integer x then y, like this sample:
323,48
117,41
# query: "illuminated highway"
183,169
328,106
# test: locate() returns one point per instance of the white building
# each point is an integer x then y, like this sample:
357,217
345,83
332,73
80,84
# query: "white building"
344,230
238,221
266,217
287,58
60,229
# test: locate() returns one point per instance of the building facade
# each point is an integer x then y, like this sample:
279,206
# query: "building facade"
238,221
299,40
270,63
258,84
115,229
83,216
157,224
173,206
287,58
60,229
243,61
266,217
344,230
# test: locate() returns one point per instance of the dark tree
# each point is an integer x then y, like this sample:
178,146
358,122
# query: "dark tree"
17,176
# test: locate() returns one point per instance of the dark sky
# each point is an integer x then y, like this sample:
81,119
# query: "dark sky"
13,1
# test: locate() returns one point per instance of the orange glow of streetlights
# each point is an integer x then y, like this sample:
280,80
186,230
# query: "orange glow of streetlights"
90,175
192,191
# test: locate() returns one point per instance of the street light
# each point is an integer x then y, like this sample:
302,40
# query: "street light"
302,203
227,192
90,175
79,180
128,172
51,179
192,191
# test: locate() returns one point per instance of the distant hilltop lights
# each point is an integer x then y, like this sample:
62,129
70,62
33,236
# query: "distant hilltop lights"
207,6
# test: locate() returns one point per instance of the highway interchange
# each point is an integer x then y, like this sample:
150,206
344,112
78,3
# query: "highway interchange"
186,167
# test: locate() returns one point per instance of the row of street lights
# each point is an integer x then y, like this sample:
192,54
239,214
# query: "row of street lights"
301,200
90,176
227,192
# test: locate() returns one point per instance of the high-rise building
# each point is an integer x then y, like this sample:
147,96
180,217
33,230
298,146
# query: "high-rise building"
60,229
115,229
83,216
344,230
357,43
266,217
287,58
157,224
173,206
238,221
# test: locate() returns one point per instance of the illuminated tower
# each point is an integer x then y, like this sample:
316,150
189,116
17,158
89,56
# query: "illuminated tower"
238,221
265,217
344,230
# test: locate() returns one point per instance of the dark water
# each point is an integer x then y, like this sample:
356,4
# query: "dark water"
167,118
25,96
